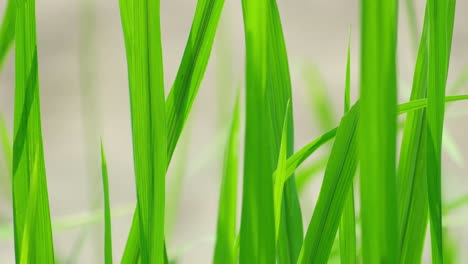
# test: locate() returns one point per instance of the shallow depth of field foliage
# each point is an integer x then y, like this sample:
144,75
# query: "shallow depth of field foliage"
380,199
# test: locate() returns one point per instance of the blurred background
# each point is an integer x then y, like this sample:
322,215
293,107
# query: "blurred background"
84,96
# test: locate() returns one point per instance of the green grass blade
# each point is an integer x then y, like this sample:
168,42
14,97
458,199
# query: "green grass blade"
280,176
192,68
378,129
347,224
412,182
27,144
143,42
27,249
225,250
185,87
335,188
278,96
7,30
107,211
441,16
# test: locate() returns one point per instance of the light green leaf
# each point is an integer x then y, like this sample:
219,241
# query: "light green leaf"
441,17
378,131
35,238
7,30
225,248
336,185
107,210
347,224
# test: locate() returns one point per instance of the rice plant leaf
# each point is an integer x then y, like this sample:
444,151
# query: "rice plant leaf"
192,68
347,224
441,17
27,146
185,87
257,231
107,210
411,177
27,250
225,249
336,185
280,176
7,30
378,131
145,67
309,172
279,95
301,155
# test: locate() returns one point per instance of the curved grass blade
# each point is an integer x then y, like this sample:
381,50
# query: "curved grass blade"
7,30
278,96
378,128
107,211
185,88
192,68
27,143
335,188
347,224
412,181
225,248
441,17
280,176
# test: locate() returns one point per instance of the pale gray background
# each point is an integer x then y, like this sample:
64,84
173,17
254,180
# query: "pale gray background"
316,33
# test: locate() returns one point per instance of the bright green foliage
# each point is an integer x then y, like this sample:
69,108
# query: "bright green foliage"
145,68
278,95
30,200
280,176
7,30
336,185
267,92
412,181
107,210
192,68
347,224
441,17
225,250
378,131
257,233
185,88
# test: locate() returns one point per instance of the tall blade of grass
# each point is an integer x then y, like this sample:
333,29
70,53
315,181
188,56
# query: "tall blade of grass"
107,211
27,143
378,129
257,232
7,30
28,250
185,87
225,250
192,68
347,224
278,96
141,23
441,16
412,181
280,176
336,186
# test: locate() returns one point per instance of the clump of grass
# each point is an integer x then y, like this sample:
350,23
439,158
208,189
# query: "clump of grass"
396,199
